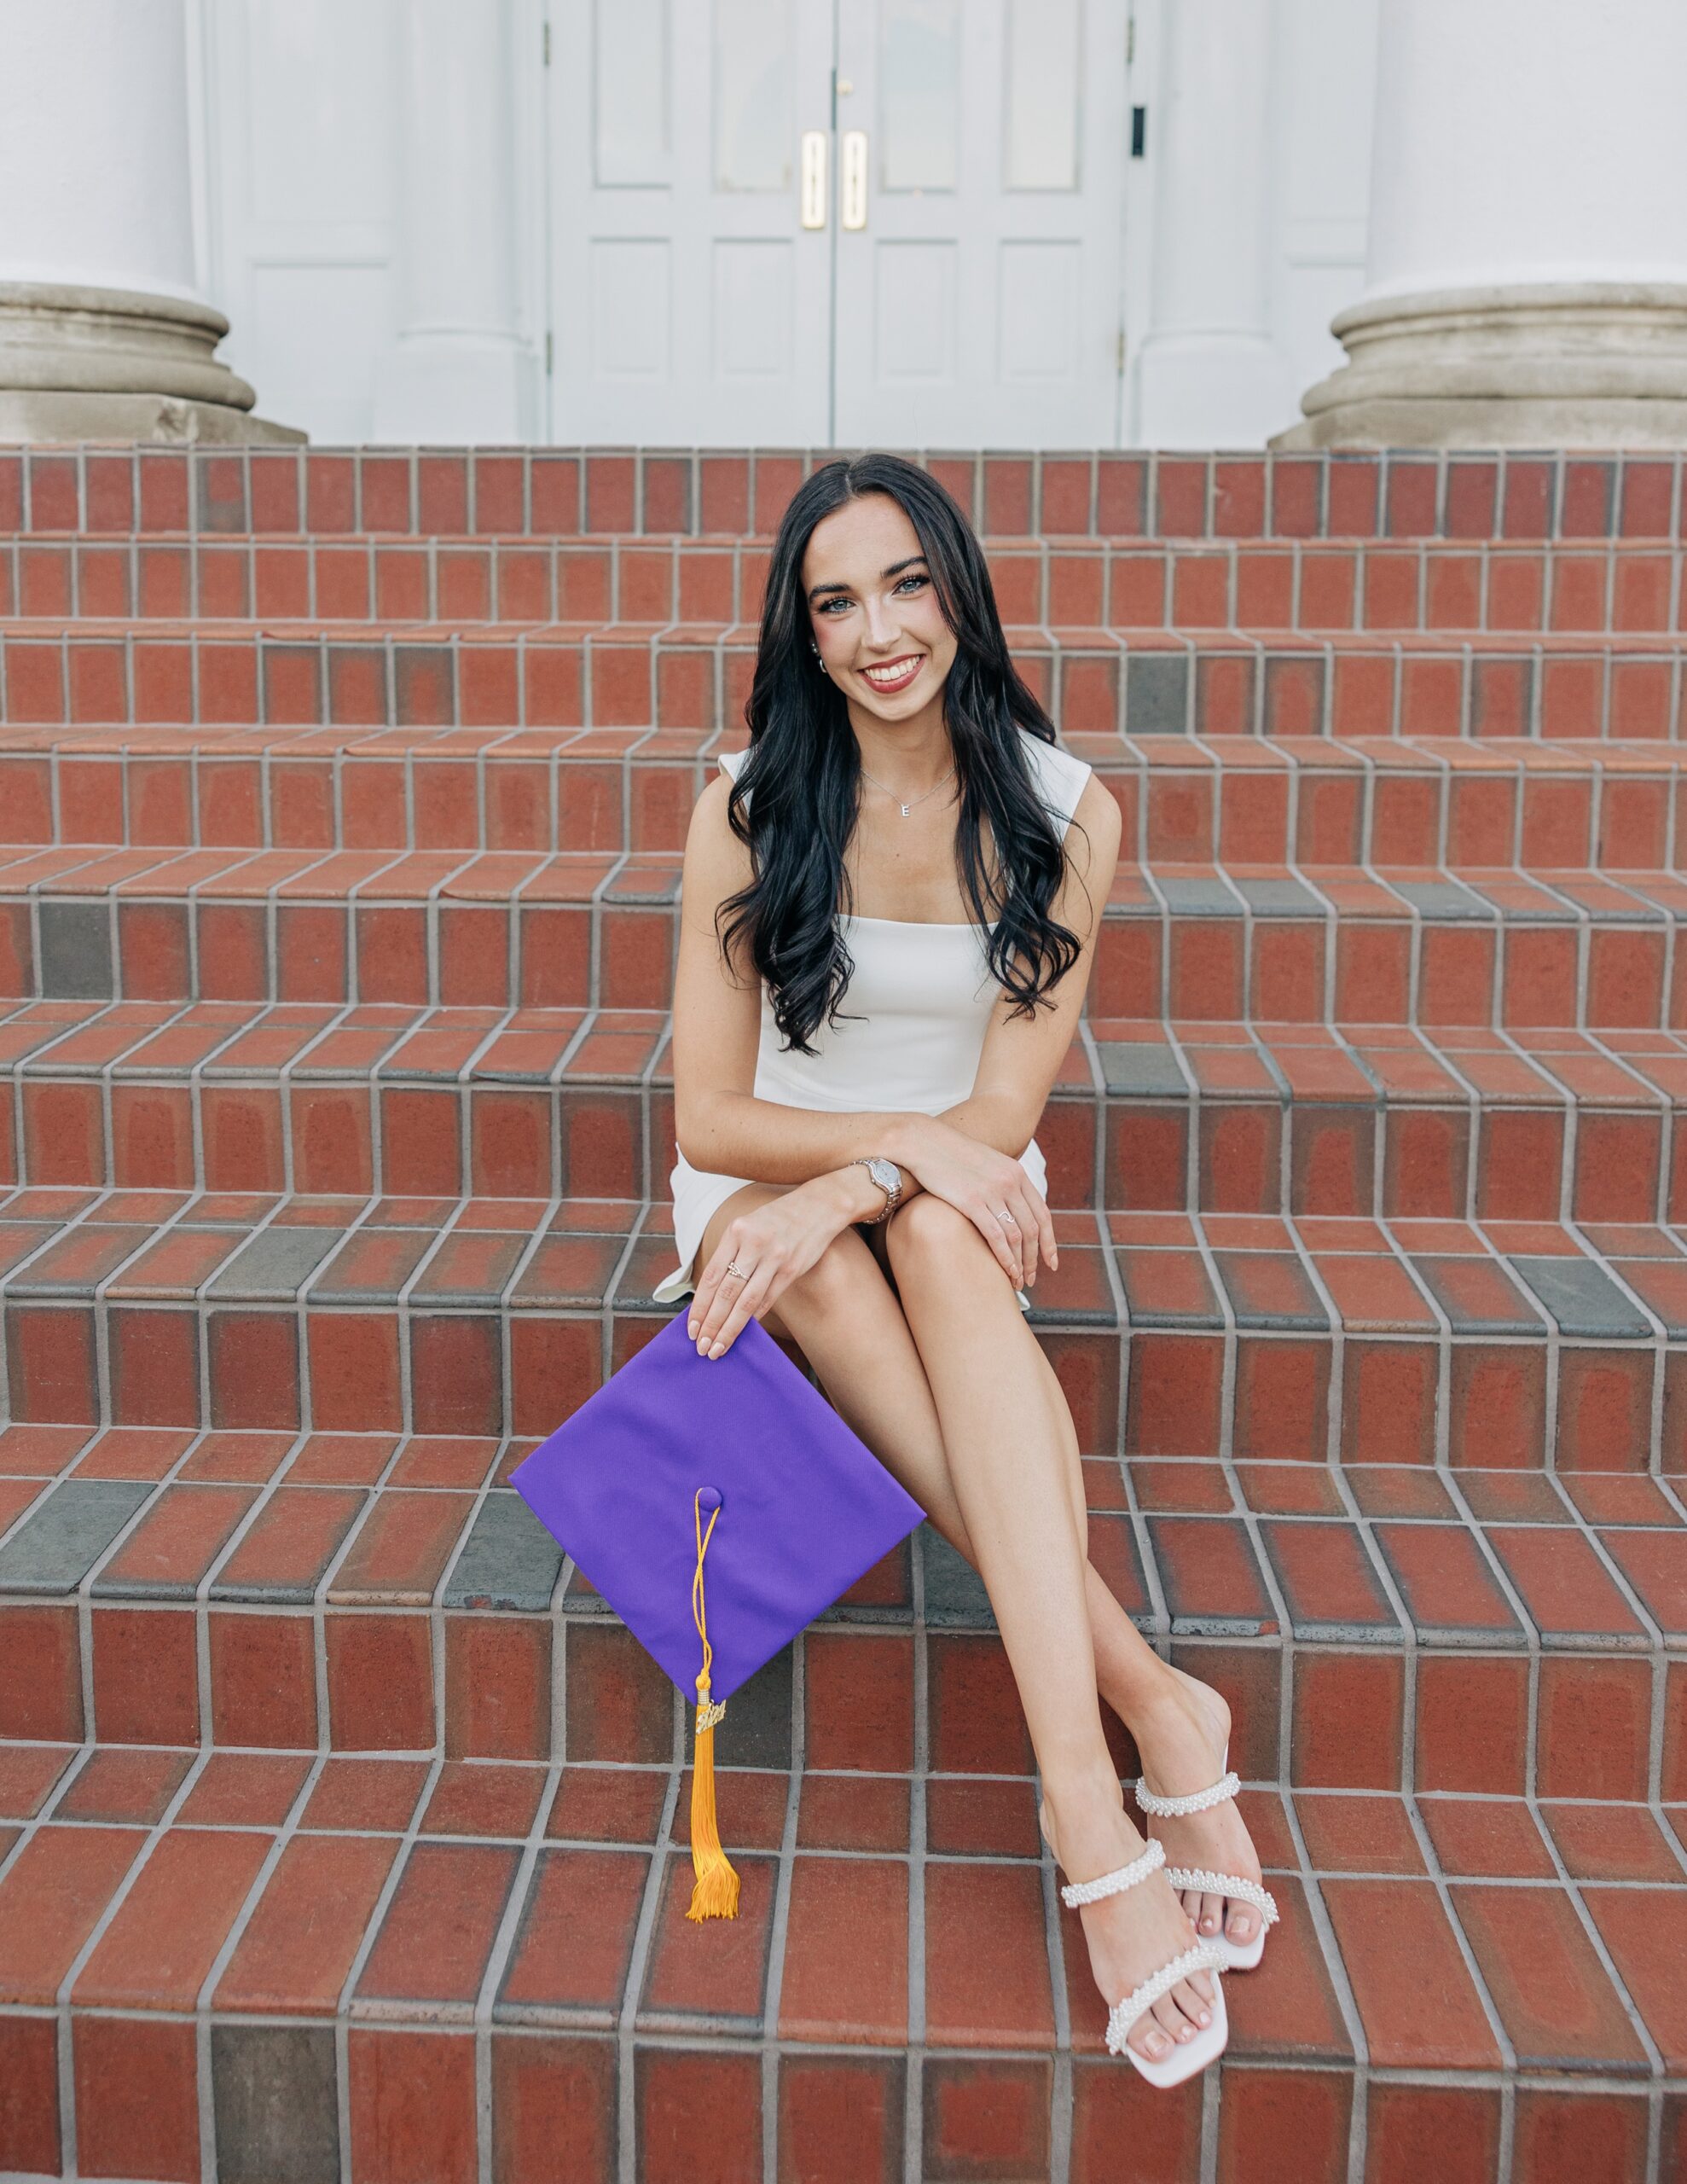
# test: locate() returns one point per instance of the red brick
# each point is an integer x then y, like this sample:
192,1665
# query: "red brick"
553,2107
699,2116
413,2107
1284,2126
1451,2133
136,2098
29,2094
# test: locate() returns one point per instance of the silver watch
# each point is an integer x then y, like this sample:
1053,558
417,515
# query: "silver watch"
888,1176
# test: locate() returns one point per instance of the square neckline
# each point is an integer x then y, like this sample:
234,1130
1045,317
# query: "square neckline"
922,925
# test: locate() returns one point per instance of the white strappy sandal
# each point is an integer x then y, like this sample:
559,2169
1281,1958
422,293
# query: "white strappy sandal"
1188,2056
1237,1957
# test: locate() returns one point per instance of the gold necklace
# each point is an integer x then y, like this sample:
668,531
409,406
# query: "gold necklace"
920,799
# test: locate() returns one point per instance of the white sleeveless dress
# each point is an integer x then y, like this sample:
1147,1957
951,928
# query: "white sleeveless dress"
922,994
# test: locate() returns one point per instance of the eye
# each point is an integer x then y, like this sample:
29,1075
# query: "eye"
827,605
915,579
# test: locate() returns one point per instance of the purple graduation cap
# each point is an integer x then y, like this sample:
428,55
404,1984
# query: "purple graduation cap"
718,1505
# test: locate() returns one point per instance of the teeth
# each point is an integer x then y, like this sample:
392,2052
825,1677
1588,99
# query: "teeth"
890,673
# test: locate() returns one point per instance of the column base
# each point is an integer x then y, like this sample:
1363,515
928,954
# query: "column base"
154,419
112,363
1574,364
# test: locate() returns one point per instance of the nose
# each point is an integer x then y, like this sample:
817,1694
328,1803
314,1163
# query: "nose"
882,628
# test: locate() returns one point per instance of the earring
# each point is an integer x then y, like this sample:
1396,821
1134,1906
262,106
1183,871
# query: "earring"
818,662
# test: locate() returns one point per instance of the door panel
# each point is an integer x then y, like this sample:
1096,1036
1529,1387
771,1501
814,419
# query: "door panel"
960,285
689,305
980,304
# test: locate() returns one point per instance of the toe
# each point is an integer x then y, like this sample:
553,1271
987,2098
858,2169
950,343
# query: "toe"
1242,1923
1149,2040
1195,2006
1209,1917
1191,1901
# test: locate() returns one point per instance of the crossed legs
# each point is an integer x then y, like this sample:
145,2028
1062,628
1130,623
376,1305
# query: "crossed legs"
943,1378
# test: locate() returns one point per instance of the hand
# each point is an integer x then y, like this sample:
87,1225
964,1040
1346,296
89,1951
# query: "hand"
774,1243
980,1182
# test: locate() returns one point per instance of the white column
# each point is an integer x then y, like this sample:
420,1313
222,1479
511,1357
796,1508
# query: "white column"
102,333
1526,268
1207,371
457,371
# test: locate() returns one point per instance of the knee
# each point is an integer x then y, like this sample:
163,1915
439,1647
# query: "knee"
840,1274
928,1228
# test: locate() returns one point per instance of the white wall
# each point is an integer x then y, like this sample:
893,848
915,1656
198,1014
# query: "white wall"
299,150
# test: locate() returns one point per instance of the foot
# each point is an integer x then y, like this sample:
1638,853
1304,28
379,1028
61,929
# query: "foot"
1182,1748
1133,1933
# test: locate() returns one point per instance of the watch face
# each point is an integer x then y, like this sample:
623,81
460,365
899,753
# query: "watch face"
886,1174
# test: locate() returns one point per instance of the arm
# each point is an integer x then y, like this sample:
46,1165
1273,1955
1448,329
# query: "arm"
1022,1055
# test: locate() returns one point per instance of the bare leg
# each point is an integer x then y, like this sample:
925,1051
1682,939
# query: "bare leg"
1017,1515
1180,1724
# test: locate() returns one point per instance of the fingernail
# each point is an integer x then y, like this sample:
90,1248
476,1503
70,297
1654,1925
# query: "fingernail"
716,1349
691,1329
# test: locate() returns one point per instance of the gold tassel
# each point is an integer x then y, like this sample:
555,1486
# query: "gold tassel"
714,1893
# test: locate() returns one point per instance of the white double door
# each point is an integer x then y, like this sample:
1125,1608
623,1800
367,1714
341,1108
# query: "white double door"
846,223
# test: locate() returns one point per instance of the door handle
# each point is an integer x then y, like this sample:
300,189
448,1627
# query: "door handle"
853,189
813,177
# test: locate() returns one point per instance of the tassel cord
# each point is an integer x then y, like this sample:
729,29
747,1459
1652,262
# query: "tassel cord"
715,1894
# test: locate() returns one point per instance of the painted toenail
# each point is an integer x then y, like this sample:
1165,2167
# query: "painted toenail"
1209,1925
1156,2043
1206,2017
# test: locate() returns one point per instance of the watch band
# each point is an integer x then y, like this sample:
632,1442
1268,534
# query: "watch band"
892,1197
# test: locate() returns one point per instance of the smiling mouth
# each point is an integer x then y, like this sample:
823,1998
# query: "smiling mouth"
894,674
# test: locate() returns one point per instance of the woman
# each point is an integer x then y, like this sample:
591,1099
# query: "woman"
863,1185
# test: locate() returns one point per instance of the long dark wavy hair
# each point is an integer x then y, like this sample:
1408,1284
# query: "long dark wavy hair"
803,766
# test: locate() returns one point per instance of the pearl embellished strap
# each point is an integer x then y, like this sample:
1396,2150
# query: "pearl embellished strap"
1233,1885
1197,1801
1092,1891
1205,1956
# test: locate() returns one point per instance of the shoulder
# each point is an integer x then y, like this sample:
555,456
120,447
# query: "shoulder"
1064,780
711,846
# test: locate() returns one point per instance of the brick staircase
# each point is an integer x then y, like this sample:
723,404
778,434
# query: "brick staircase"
342,1831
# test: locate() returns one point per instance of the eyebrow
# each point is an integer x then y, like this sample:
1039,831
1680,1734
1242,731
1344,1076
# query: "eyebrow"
895,569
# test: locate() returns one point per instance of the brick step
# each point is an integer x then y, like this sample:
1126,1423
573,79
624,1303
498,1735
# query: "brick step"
1620,588
691,678
1393,493
465,928
1554,804
320,1966
1513,1343
536,1104
387,1591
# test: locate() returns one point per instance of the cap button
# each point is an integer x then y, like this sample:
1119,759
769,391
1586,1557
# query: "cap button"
708,1497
